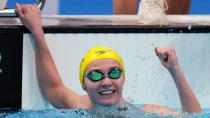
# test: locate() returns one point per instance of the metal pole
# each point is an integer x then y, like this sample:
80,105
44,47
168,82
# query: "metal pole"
11,12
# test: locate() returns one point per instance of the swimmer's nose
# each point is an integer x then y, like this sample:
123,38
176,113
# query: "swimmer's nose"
106,82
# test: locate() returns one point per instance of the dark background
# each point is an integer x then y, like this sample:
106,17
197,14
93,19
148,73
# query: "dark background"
11,66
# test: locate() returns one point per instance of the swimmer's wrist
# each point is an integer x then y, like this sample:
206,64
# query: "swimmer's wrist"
176,72
38,35
174,68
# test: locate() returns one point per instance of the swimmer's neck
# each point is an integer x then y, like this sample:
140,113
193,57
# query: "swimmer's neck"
119,106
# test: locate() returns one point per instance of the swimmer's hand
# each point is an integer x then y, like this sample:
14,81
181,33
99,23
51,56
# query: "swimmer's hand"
167,57
29,16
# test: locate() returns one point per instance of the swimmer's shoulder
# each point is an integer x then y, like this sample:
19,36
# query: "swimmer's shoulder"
77,102
86,102
158,109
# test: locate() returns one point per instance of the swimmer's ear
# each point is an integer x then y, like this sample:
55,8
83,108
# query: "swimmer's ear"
84,87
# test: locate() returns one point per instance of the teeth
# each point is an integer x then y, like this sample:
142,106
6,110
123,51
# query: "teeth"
106,92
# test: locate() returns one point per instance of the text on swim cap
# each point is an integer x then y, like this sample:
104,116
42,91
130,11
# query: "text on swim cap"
100,52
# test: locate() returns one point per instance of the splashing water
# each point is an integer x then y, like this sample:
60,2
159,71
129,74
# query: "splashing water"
122,110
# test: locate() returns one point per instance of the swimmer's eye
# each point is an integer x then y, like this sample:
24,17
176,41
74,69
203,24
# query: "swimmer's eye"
96,75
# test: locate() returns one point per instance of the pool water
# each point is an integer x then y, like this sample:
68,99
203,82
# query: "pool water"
123,109
85,113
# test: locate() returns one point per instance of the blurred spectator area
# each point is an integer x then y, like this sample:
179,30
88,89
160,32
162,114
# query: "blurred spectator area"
97,7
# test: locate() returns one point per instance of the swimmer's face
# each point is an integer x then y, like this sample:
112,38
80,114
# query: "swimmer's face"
106,91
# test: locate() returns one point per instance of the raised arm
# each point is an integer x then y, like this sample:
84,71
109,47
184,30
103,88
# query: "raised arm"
169,60
131,6
47,75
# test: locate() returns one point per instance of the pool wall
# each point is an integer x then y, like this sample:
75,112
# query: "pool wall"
147,81
69,37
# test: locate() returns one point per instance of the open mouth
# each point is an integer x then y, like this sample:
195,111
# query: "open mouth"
107,92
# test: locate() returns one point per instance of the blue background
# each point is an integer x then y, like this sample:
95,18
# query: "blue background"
104,7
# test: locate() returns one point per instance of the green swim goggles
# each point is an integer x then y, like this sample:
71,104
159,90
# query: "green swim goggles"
97,75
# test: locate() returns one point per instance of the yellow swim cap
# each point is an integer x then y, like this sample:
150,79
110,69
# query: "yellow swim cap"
99,52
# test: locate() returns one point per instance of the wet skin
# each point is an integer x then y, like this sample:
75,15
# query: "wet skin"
106,91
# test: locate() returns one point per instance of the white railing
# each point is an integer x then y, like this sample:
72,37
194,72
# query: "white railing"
11,12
